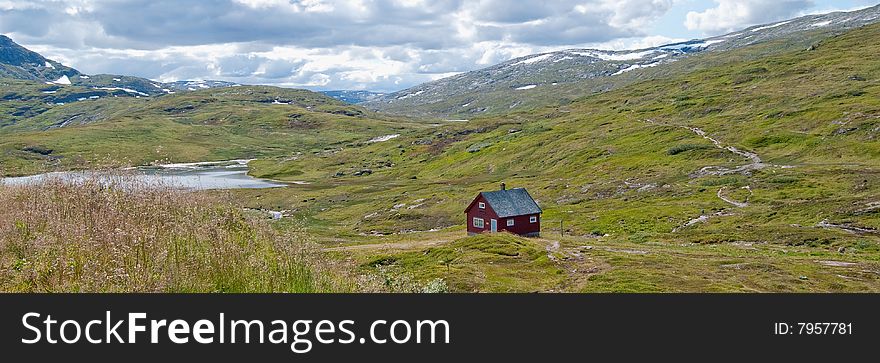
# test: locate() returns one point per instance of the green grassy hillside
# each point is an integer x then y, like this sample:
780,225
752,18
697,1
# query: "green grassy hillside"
755,174
213,124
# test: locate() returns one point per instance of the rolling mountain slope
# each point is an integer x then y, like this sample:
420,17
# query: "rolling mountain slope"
561,76
77,120
209,124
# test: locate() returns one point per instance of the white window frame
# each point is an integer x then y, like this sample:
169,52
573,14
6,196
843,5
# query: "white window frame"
510,222
481,224
533,219
482,205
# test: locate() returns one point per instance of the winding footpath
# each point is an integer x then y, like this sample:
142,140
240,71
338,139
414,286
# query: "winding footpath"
755,161
848,228
731,201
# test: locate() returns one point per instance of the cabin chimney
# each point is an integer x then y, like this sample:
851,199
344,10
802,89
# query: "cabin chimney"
503,186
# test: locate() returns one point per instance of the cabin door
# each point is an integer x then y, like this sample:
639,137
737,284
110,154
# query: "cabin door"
494,224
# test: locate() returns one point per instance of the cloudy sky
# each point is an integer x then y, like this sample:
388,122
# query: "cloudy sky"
380,45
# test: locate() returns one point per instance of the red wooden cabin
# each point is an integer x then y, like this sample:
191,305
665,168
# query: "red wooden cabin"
511,210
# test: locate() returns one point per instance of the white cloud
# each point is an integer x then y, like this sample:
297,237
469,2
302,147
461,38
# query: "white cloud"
383,45
635,13
730,15
308,6
16,5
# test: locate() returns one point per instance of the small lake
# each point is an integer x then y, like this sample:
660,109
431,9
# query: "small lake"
230,174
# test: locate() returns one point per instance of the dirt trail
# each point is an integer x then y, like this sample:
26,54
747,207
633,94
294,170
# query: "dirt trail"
749,155
731,201
552,248
407,245
851,229
755,161
705,217
701,219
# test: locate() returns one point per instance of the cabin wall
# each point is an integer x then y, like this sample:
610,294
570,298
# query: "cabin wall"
486,214
521,225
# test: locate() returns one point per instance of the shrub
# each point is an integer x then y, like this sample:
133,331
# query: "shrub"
678,149
36,149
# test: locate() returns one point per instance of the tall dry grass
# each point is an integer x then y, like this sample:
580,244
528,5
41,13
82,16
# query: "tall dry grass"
100,236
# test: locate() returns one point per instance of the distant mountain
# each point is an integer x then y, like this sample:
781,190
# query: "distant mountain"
21,63
545,78
353,97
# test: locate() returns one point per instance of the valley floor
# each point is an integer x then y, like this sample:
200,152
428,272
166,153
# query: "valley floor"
554,263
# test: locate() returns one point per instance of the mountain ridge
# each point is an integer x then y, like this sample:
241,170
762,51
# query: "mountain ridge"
22,63
19,62
513,84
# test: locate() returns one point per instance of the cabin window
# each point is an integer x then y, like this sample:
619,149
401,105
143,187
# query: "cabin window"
478,222
510,222
533,219
482,205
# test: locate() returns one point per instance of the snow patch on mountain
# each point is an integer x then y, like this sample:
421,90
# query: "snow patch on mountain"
410,95
128,90
534,59
691,45
527,87
62,80
634,67
610,56
771,26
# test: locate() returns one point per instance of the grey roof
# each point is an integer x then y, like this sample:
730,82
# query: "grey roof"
511,202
